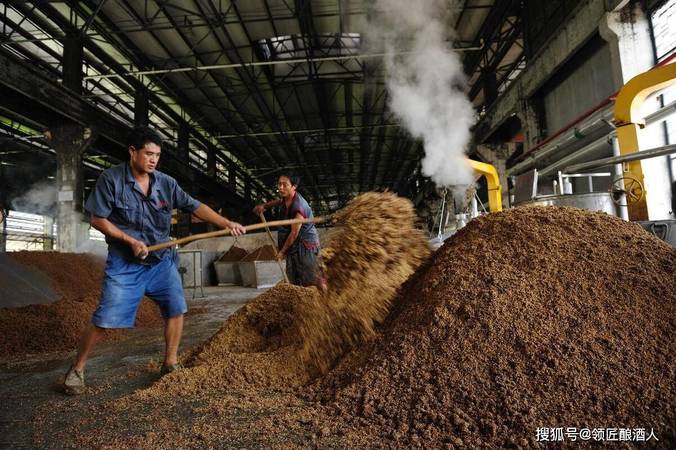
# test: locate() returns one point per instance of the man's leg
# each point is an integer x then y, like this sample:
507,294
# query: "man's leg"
90,336
166,290
120,296
74,382
173,329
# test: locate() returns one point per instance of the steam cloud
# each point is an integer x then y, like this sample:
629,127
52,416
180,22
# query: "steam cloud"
39,199
424,78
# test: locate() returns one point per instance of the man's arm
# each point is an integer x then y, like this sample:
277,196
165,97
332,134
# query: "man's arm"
267,205
207,214
108,228
291,238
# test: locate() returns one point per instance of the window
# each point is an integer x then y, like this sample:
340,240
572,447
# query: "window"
664,35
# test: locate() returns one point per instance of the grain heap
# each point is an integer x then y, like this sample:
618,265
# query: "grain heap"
255,348
233,254
534,317
378,248
76,278
264,253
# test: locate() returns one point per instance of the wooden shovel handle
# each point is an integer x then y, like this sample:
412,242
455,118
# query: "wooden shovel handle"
256,226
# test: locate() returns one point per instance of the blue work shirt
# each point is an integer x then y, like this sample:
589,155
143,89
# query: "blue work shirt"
308,235
118,198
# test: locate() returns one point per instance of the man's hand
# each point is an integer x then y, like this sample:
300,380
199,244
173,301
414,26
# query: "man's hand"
139,248
259,209
236,229
280,255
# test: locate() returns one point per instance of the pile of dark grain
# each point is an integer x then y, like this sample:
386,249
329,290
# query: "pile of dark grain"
76,278
529,318
264,253
233,254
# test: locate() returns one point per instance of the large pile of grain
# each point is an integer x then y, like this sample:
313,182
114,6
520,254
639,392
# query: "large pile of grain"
538,317
76,278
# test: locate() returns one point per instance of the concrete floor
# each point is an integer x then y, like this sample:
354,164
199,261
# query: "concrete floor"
30,383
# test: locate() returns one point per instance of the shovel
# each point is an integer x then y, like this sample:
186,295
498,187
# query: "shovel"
274,245
256,226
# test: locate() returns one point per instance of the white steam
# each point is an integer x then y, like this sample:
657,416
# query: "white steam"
39,199
424,79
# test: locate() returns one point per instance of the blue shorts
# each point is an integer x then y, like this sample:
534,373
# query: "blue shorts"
124,285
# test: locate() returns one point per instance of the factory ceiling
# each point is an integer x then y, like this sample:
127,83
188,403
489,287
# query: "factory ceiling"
262,86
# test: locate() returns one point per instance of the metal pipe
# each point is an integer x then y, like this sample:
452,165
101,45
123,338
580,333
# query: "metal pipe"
493,181
658,115
636,156
561,143
309,130
593,146
260,63
473,208
622,209
441,216
661,113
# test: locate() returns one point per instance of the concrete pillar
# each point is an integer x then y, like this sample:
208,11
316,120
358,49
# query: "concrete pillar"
141,107
184,142
48,231
73,56
70,141
627,32
530,124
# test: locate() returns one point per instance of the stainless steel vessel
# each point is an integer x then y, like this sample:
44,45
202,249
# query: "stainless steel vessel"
596,201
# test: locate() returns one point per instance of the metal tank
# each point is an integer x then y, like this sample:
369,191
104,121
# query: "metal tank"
595,201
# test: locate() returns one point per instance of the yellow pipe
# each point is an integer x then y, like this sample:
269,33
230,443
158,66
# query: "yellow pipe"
628,121
494,189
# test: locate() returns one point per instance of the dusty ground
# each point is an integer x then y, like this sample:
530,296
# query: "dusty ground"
29,384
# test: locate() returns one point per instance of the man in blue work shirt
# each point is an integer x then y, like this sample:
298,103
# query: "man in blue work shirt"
298,243
131,205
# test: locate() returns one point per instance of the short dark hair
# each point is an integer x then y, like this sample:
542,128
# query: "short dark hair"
294,179
140,136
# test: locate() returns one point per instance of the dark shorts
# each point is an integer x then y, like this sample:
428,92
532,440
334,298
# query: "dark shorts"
124,285
301,266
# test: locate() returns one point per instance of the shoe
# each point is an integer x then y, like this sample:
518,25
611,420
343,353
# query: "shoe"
169,369
74,382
